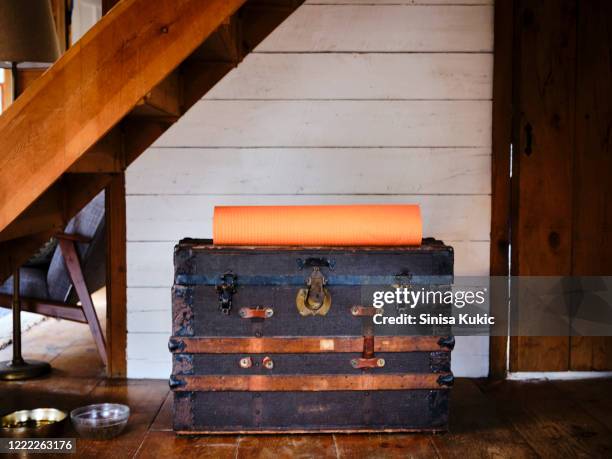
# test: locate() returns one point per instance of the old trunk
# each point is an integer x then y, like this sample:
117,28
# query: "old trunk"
269,339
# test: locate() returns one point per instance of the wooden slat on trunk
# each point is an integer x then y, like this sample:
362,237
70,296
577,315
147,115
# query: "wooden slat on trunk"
309,383
303,345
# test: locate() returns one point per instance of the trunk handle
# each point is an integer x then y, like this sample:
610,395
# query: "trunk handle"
257,312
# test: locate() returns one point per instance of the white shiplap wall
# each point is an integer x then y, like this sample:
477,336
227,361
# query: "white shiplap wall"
346,102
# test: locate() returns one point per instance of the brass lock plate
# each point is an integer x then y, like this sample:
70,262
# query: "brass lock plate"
315,299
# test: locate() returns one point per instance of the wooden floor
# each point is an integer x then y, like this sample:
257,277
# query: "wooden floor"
488,419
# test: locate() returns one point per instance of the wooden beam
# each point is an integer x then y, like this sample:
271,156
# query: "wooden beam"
80,189
76,190
92,87
116,280
162,100
57,205
58,7
500,177
94,139
47,308
225,44
16,252
220,53
45,214
106,156
207,65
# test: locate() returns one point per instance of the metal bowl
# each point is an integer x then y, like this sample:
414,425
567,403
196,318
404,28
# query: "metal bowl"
102,421
41,422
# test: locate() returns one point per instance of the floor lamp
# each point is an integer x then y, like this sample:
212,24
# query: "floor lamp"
27,35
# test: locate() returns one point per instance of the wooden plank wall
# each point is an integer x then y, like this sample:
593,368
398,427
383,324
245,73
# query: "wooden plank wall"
346,102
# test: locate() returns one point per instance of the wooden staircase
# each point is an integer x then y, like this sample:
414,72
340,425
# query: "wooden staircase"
107,99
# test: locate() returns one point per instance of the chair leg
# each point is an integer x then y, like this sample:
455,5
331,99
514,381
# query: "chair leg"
75,271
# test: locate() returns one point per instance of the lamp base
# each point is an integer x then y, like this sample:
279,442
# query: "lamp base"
14,371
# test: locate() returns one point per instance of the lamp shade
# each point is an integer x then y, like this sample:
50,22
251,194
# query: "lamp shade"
27,31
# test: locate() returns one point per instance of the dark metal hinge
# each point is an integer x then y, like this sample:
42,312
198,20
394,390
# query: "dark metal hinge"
226,287
446,380
447,342
175,344
175,383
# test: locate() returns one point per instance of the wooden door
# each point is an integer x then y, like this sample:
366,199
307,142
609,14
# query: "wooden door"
592,199
561,211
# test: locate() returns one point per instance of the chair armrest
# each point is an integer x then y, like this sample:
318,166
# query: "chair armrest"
73,237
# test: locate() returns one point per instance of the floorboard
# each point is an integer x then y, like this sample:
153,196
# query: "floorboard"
477,429
552,423
166,444
144,399
286,446
385,446
163,420
594,398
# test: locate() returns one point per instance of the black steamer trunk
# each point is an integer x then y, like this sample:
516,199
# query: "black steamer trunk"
280,339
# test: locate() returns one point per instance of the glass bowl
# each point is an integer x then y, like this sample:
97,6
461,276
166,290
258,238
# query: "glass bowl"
101,421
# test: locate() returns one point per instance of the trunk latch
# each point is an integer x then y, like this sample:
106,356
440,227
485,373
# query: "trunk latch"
315,299
226,287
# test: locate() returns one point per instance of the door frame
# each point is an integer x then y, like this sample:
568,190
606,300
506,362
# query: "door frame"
501,196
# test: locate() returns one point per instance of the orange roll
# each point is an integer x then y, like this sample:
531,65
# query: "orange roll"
346,225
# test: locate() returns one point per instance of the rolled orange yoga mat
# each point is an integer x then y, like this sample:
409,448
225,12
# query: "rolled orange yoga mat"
352,225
